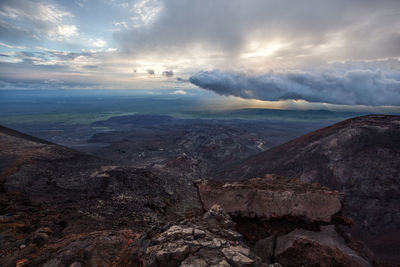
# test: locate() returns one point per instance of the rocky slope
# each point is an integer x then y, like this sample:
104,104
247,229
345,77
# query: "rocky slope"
52,197
60,207
361,158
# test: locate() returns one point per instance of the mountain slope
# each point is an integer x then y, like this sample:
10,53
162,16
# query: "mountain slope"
53,174
359,156
51,196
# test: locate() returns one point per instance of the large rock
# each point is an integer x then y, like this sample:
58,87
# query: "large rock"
272,197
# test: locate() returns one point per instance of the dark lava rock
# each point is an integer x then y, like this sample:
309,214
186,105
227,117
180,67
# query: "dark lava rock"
102,249
359,157
196,242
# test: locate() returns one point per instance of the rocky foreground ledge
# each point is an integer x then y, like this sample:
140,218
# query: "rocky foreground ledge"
272,197
271,221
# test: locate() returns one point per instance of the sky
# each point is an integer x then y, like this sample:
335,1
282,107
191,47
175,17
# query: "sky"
335,52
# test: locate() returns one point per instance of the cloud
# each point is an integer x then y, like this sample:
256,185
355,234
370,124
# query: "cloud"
12,46
22,20
178,92
189,36
144,12
7,83
99,43
81,3
63,32
168,73
354,87
181,80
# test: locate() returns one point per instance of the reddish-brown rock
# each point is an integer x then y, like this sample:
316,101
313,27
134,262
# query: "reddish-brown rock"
272,197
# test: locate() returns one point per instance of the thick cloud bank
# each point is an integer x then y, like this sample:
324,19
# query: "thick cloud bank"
355,87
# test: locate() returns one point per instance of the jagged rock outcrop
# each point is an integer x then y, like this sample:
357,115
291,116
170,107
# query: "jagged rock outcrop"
210,240
359,157
213,240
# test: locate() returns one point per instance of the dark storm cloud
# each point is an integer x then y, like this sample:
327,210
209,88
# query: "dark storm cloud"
150,72
168,73
355,87
356,29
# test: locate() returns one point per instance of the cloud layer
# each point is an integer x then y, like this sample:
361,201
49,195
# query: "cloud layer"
28,20
355,87
147,43
249,32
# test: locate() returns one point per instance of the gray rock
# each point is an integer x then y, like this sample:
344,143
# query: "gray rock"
216,216
194,261
235,256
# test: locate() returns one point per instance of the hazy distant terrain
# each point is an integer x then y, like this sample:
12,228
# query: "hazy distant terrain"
68,117
174,135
